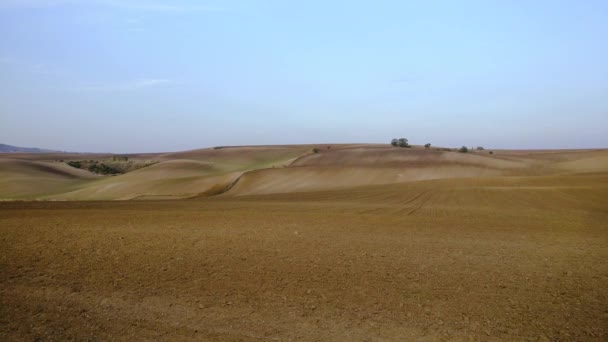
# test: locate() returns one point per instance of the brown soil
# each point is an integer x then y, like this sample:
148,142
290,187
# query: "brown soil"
504,258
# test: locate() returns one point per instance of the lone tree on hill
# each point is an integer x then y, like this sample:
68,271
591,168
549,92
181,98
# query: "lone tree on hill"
463,149
427,145
403,142
480,148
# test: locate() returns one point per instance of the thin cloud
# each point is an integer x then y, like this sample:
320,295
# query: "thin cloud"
33,68
125,86
8,4
44,69
159,7
134,5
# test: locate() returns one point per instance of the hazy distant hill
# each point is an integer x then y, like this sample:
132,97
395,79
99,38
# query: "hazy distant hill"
16,149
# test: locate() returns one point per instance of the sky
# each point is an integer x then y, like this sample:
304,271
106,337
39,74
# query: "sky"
157,75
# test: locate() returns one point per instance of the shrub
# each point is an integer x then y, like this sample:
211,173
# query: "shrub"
75,164
316,150
491,152
427,145
463,149
480,148
120,158
103,169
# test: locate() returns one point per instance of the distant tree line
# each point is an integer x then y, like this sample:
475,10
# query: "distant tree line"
403,142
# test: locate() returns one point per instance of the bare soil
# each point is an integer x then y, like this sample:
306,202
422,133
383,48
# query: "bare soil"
520,258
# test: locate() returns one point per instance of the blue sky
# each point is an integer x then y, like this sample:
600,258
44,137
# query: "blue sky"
155,75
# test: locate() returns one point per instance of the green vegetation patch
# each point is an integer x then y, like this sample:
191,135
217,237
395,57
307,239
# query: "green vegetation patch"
117,165
94,166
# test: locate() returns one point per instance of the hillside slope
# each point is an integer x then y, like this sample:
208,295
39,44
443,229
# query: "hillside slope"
361,166
251,170
169,175
32,179
4,148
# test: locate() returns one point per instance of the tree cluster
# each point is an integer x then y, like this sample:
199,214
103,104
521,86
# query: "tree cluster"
401,142
94,166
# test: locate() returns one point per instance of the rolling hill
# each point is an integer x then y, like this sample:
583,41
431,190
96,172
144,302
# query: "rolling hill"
16,149
356,242
257,170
